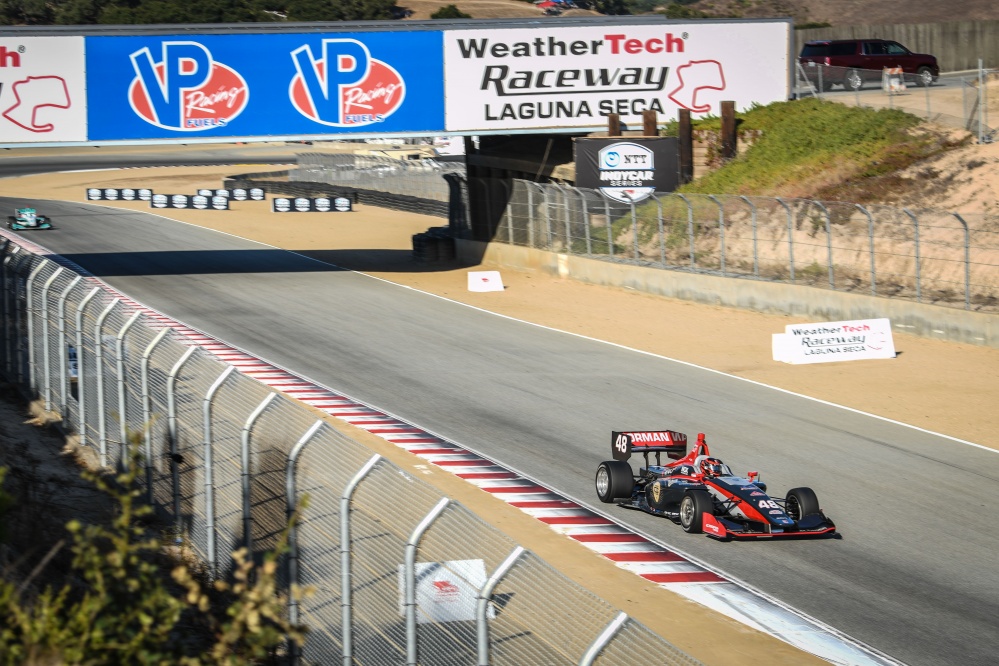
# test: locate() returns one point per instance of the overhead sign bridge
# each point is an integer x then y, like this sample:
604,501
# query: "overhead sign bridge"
264,82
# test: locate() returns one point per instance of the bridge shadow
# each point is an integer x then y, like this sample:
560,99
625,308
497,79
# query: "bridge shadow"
234,262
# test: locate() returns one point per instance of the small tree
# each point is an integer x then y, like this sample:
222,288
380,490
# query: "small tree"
449,12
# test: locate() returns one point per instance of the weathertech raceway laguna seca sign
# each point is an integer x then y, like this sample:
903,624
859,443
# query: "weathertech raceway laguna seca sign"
379,78
576,76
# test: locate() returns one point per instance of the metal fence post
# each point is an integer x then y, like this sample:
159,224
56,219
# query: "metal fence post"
206,410
565,216
291,505
172,433
8,355
122,401
482,603
64,370
610,229
662,235
634,225
967,262
246,474
46,360
870,236
605,637
829,261
147,426
80,369
756,254
915,237
346,591
548,220
690,227
981,101
790,235
410,576
29,308
721,229
530,215
586,221
102,435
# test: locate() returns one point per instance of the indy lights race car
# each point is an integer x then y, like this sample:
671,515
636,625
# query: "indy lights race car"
27,218
701,493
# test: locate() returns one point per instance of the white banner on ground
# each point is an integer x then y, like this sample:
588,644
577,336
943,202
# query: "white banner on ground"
834,341
485,281
446,591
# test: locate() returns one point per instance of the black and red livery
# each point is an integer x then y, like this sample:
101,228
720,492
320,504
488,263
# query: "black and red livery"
701,493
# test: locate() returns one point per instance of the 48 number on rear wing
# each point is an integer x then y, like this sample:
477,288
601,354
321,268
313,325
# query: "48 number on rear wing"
623,444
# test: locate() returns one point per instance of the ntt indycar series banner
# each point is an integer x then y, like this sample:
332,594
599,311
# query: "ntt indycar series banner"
203,86
575,76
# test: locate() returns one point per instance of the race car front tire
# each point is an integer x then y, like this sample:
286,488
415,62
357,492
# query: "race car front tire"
693,506
801,502
614,481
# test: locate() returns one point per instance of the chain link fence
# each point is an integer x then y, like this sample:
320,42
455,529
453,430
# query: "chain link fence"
962,102
927,256
402,575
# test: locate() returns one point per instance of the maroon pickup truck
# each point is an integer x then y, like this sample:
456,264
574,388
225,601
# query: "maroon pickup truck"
851,62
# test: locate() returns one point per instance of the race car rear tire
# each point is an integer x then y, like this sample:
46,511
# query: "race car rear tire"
614,481
801,502
693,506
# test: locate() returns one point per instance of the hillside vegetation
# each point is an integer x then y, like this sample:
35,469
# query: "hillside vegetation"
816,149
804,12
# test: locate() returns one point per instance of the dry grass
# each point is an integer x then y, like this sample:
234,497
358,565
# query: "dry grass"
484,9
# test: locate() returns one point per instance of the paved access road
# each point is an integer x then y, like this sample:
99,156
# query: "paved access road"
914,574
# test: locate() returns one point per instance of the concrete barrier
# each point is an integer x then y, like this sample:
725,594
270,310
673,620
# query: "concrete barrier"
930,321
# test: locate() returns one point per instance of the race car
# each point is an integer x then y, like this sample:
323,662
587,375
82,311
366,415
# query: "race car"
27,218
701,493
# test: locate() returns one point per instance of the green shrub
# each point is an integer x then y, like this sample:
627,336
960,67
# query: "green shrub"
126,600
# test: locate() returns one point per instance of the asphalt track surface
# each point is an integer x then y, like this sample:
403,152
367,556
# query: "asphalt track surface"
914,574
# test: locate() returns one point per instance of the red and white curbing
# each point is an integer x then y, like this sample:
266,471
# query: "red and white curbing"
627,549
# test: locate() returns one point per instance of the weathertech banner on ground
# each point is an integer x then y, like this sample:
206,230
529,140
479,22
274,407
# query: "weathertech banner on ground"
628,170
524,78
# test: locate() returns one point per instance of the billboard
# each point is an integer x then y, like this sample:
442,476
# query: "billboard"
208,86
552,77
627,170
42,90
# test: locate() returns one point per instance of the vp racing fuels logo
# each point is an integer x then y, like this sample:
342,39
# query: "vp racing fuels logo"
186,89
346,87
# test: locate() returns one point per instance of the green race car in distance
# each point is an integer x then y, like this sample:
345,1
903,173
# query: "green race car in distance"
27,218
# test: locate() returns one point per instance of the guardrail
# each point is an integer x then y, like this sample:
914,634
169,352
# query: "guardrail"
401,573
928,256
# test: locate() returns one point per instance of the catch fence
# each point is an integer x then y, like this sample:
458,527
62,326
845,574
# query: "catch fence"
928,256
401,573
959,102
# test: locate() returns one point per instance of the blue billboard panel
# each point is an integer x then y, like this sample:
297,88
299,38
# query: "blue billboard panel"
201,86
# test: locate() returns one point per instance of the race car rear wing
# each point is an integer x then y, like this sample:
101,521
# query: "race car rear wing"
623,444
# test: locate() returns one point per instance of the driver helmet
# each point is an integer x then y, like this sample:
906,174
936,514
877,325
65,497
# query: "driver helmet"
712,467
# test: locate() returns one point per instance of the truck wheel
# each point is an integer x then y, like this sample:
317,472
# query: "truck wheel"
693,506
924,77
614,481
800,502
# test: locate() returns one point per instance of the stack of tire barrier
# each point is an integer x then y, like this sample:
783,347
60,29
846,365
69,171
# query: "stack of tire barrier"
388,200
434,244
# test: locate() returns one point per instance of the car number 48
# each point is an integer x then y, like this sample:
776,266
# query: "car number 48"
768,504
